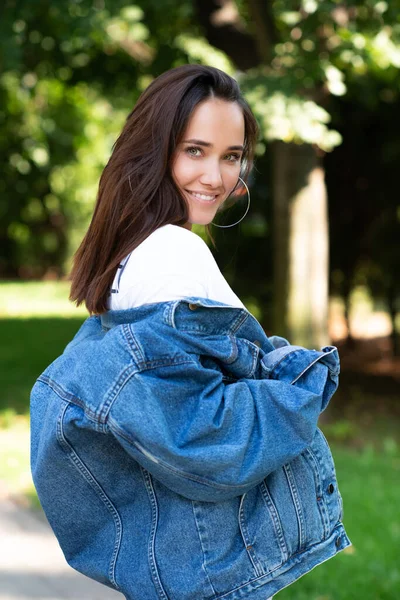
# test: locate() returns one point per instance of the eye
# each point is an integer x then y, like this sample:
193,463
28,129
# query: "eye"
193,151
233,157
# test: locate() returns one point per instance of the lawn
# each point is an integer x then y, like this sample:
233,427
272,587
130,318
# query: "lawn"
37,322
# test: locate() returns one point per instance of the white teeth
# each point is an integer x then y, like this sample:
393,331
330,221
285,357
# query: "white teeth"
202,196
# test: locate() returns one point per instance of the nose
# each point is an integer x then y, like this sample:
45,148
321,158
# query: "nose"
211,176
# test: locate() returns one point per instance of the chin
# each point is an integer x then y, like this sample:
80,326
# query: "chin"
201,220
203,217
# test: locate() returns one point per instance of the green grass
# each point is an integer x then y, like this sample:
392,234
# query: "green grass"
37,322
37,298
27,347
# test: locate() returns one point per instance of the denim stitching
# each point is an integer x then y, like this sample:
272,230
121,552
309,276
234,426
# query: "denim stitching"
234,350
95,485
269,577
331,463
105,406
297,504
151,544
170,309
334,371
238,322
71,398
312,460
169,313
255,351
196,506
133,344
288,355
339,496
275,518
247,542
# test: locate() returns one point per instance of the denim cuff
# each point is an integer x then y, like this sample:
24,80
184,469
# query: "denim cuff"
289,362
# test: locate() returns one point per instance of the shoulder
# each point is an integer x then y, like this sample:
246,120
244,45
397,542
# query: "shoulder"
178,236
169,250
171,263
174,242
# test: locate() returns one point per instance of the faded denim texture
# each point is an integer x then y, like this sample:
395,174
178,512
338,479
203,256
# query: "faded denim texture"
176,453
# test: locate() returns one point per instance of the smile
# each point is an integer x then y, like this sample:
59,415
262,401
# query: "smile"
205,198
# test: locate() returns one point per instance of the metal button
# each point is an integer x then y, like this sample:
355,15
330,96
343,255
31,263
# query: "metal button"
193,306
337,542
257,343
331,488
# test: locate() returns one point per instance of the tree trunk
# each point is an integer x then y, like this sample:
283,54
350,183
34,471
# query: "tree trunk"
227,34
391,299
347,289
301,246
300,220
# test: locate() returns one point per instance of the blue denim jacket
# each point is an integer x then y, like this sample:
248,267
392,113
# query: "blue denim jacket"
176,454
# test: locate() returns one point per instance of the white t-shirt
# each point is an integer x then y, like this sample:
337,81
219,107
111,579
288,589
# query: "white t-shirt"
170,264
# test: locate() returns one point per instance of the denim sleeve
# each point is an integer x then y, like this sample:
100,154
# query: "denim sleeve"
210,440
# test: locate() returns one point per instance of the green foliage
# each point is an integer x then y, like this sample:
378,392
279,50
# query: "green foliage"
322,49
357,37
71,72
200,51
285,115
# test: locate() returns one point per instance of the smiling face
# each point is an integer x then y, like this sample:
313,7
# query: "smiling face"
206,163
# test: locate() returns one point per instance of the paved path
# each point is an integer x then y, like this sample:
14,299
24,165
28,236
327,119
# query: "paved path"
32,564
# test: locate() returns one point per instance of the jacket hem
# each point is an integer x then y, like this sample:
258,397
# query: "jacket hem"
297,566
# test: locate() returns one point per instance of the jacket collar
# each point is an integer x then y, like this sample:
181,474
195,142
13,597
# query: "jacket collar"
193,313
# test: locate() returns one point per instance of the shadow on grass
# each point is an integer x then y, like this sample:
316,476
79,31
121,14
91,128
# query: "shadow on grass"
27,347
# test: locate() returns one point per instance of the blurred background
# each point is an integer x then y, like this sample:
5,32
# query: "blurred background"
317,259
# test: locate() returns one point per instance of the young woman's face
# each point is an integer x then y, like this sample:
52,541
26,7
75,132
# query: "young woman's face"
206,163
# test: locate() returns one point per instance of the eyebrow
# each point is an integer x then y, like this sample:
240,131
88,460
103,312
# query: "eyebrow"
209,145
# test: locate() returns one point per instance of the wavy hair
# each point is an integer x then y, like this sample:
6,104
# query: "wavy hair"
137,194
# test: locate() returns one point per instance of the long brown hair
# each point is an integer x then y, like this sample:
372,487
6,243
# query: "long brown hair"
137,194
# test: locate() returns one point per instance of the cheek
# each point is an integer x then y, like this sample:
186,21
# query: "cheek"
230,177
184,170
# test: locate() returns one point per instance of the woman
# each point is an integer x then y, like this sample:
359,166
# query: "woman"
175,447
159,175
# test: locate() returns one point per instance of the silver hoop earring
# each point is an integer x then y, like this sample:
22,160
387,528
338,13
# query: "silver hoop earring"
247,209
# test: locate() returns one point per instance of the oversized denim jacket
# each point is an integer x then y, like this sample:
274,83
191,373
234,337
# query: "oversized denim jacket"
176,454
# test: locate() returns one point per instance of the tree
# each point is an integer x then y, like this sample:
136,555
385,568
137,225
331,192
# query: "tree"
70,75
362,178
302,54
